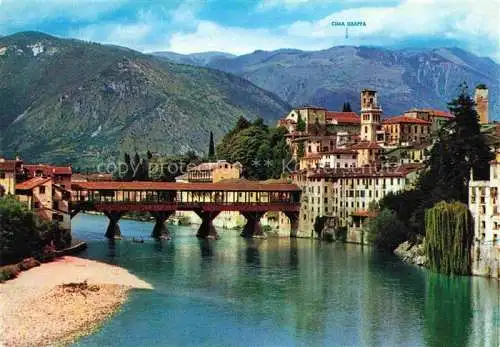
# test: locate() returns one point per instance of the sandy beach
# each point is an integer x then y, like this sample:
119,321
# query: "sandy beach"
41,307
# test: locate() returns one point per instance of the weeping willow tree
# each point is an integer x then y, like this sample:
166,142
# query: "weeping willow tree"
448,238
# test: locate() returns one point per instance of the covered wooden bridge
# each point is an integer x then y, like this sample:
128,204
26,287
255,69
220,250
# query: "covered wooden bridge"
207,200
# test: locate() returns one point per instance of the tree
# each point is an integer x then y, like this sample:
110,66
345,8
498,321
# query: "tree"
346,107
22,233
449,236
211,147
460,149
386,231
260,149
301,125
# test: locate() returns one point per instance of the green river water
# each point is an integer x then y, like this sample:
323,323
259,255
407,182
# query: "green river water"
283,292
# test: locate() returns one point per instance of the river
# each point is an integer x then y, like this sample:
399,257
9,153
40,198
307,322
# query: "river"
283,292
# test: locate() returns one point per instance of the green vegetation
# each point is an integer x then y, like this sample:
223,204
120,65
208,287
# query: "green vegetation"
105,101
211,147
23,234
449,236
346,107
460,147
386,231
261,150
301,124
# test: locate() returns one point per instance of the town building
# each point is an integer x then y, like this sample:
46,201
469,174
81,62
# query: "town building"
45,189
214,172
405,130
8,176
484,197
338,193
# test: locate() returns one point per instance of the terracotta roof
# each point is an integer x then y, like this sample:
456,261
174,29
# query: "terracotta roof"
439,113
48,170
221,186
91,177
8,165
364,213
366,145
340,151
366,171
343,117
32,183
406,120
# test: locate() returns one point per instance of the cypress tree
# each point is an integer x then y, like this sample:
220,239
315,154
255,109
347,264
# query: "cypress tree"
211,147
346,107
301,125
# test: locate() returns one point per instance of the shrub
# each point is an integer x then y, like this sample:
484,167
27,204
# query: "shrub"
386,231
23,234
9,272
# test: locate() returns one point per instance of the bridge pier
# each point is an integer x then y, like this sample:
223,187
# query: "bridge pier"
252,227
113,230
160,230
207,229
294,222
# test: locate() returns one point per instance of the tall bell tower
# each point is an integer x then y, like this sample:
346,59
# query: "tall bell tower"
370,115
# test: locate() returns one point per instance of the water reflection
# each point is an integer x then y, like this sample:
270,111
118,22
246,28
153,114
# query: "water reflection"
447,310
235,291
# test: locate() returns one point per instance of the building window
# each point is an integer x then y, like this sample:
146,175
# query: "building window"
41,189
2,175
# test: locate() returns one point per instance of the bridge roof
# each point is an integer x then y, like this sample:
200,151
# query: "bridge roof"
220,186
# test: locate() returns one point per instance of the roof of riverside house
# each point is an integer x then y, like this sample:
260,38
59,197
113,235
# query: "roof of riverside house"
405,119
8,165
439,113
343,117
236,185
32,183
367,171
365,213
366,145
48,170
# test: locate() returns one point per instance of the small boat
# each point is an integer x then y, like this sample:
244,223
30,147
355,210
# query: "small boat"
137,240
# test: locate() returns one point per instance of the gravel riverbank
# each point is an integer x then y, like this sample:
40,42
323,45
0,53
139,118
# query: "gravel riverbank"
60,301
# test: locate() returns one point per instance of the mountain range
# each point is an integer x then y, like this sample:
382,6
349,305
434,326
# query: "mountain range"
69,101
404,78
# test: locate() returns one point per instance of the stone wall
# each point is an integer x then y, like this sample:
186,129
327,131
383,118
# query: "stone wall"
486,260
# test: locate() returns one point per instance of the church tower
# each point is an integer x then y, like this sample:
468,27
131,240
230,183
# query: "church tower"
370,115
481,100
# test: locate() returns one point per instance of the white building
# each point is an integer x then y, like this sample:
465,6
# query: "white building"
483,204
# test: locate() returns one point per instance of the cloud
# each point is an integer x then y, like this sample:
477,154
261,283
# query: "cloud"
128,35
474,26
14,13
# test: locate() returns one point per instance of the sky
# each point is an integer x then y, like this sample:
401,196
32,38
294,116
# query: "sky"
243,26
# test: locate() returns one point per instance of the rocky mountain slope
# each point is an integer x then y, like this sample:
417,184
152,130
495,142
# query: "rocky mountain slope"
70,101
404,78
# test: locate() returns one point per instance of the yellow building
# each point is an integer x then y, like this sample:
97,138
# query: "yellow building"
405,130
214,172
8,170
